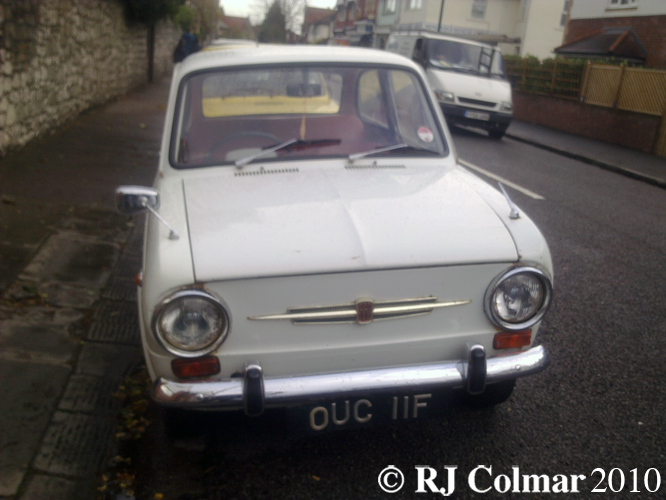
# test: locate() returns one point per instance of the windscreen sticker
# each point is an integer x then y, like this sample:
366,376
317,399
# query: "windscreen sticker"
425,134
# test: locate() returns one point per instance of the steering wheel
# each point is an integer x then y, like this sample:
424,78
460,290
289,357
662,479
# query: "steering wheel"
239,135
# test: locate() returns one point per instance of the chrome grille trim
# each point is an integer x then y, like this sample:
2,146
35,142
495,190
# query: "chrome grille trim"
348,313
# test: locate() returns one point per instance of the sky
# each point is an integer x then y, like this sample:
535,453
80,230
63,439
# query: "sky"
254,8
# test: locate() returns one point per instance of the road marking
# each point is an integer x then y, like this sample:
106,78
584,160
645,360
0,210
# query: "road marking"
529,193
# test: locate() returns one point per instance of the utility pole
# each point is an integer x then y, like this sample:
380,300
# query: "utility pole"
441,12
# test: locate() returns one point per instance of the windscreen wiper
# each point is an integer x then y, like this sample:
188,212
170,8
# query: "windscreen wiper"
290,144
358,156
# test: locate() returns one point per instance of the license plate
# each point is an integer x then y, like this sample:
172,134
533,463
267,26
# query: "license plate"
475,115
352,412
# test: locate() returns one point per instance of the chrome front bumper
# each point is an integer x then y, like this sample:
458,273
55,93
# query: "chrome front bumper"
253,392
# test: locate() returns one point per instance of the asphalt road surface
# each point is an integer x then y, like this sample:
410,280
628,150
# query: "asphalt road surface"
593,419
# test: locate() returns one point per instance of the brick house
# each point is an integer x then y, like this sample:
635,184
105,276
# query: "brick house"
646,19
355,21
318,25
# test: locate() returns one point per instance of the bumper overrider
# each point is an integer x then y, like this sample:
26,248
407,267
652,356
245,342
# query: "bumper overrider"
253,392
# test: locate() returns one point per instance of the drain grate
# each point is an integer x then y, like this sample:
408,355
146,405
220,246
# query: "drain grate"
120,289
117,313
128,266
117,334
90,394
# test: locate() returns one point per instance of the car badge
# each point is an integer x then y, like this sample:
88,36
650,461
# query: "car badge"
364,311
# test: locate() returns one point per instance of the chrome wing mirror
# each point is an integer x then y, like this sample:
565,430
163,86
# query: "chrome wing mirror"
131,200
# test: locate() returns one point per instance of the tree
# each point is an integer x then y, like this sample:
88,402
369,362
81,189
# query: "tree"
273,29
292,10
206,16
184,18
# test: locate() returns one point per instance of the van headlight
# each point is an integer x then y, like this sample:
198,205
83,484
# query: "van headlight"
506,106
518,298
190,323
444,96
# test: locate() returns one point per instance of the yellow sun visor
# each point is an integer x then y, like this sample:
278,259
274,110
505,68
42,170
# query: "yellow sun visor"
268,105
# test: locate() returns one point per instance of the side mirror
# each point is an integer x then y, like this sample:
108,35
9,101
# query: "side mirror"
136,199
131,200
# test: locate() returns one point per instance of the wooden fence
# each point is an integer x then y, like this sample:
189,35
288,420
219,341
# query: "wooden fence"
631,89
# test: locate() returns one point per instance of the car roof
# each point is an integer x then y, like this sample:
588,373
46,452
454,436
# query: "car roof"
285,54
438,36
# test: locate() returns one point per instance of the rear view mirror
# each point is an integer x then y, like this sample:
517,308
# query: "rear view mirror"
136,199
304,90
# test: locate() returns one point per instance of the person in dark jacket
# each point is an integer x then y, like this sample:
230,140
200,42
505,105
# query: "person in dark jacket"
187,45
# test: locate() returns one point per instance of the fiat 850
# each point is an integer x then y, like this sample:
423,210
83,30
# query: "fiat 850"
312,242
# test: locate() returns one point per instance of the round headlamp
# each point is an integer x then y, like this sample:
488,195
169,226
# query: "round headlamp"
518,298
190,323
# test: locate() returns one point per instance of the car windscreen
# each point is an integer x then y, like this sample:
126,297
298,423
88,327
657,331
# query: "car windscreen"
274,113
465,57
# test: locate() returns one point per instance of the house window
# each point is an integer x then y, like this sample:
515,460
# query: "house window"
479,9
415,4
565,13
619,4
390,6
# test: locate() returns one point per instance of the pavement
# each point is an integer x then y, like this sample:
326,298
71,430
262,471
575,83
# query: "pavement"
68,320
625,161
68,317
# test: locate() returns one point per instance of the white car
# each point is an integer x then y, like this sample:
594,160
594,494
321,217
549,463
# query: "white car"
314,243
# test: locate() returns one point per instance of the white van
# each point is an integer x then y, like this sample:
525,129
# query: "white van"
468,78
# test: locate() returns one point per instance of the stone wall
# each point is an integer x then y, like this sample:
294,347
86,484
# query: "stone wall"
634,130
60,57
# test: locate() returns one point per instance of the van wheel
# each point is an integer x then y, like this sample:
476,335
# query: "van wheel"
497,133
494,394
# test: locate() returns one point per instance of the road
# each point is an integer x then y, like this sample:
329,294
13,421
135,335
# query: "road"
597,411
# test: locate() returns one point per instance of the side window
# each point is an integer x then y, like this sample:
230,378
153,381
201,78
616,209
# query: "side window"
371,107
419,51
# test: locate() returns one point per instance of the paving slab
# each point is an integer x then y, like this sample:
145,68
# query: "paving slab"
75,444
68,258
13,258
38,335
98,223
23,228
42,487
90,394
111,361
29,393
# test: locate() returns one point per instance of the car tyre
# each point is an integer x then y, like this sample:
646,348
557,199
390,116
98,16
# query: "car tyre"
493,394
497,133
